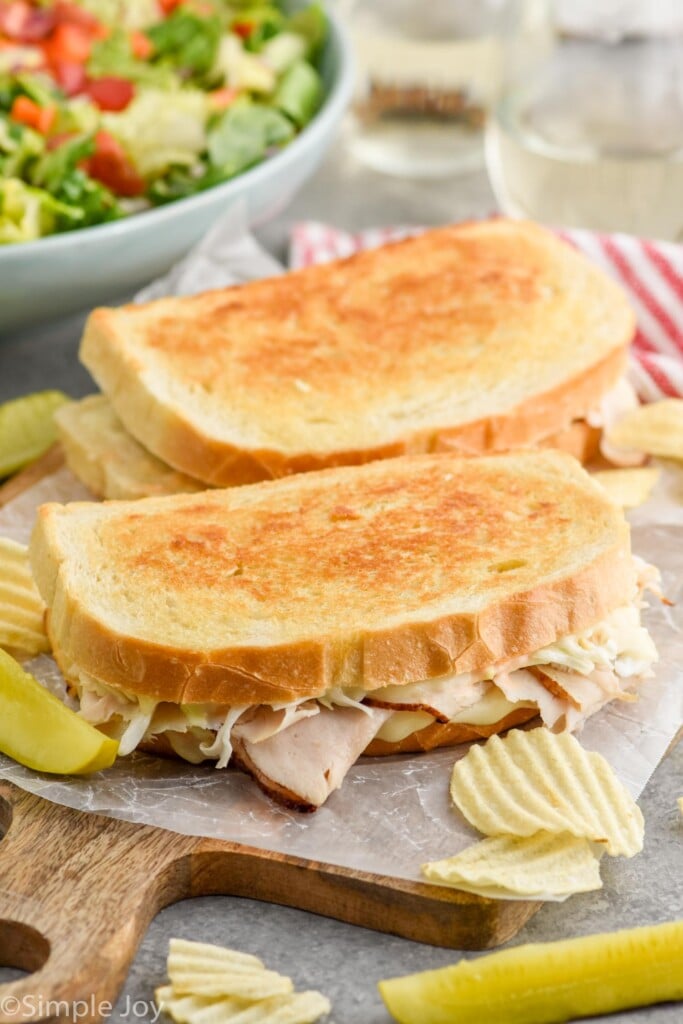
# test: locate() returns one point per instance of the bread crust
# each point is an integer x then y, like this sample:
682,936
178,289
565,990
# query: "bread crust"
113,465
575,568
405,653
542,420
171,432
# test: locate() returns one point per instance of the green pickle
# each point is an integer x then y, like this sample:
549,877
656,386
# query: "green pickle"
27,429
542,983
40,732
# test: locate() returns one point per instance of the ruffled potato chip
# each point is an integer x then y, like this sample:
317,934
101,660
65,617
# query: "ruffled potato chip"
628,487
292,1008
537,781
656,429
545,866
21,607
214,985
242,984
209,957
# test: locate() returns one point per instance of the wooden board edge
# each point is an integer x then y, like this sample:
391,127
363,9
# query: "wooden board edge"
49,463
430,914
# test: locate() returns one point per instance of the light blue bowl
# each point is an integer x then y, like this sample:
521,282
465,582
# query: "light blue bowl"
64,273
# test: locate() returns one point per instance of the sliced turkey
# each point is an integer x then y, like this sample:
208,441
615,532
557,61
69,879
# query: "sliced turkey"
303,764
443,697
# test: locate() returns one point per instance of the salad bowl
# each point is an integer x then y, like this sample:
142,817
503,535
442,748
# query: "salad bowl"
62,273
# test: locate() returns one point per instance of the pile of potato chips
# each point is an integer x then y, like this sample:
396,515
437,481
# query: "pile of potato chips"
21,607
654,429
550,809
213,985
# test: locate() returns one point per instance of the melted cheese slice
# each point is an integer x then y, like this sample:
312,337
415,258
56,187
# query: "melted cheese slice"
491,708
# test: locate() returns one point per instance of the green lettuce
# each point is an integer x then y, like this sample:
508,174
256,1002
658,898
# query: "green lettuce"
83,200
243,135
19,148
160,130
114,56
238,139
186,41
28,213
299,92
311,24
267,21
53,167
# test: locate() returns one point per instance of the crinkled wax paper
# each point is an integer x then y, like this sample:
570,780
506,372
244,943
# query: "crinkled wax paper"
391,814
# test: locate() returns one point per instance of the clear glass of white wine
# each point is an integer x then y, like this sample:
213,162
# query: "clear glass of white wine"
428,72
594,138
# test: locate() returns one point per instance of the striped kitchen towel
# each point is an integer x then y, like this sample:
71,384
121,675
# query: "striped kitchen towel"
651,273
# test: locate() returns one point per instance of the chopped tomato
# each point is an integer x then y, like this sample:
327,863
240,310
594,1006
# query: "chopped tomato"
110,165
26,111
69,42
25,23
73,15
242,28
69,76
168,6
141,45
111,93
221,99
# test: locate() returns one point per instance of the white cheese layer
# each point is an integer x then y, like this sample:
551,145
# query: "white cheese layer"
585,671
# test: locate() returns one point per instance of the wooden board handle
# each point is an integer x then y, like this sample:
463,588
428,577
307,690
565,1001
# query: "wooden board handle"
77,892
76,895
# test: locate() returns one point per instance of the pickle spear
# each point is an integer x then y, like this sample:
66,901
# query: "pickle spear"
548,982
40,732
27,429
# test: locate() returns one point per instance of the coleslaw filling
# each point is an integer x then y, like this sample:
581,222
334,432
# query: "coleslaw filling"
566,681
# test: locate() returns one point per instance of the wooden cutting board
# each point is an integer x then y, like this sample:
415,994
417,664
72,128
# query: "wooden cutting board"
77,891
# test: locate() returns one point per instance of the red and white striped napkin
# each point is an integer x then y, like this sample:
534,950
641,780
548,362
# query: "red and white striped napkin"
651,273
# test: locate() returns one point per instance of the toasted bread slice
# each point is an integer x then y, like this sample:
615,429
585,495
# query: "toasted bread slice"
108,460
484,336
393,572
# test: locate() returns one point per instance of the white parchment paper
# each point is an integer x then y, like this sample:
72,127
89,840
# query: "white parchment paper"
391,814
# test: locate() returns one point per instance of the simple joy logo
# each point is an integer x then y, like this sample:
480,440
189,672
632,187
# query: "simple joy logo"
143,1010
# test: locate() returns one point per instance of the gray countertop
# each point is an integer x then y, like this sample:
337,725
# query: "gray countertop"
340,960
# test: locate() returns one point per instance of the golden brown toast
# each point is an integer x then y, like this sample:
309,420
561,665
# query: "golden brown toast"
105,457
108,460
479,337
394,572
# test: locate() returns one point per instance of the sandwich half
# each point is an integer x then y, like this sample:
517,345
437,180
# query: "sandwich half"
290,626
480,337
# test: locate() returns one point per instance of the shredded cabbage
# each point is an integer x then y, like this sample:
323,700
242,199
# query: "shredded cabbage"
160,129
618,642
137,726
618,647
242,70
221,748
27,213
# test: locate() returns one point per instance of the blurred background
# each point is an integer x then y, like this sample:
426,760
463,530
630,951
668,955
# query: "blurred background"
358,113
575,108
